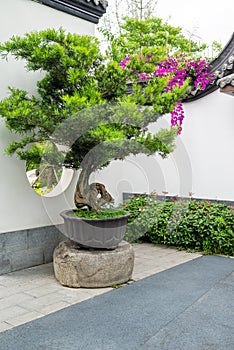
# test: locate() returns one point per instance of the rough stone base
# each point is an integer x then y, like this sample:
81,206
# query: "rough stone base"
78,267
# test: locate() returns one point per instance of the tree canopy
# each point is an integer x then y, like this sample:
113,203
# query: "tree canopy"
150,36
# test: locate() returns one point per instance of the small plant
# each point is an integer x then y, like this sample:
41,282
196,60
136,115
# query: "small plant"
116,286
105,213
188,224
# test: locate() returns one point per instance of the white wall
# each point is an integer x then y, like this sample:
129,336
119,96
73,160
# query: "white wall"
202,162
20,206
20,16
209,139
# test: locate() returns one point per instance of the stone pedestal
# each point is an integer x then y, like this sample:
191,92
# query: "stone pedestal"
78,267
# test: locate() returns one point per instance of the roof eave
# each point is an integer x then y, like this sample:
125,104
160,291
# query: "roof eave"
90,10
221,66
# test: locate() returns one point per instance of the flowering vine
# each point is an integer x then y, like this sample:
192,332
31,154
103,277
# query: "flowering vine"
177,69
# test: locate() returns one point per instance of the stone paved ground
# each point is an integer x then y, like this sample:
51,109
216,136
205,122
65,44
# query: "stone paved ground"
33,293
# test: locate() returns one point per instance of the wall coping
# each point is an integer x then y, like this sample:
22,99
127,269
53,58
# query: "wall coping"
90,10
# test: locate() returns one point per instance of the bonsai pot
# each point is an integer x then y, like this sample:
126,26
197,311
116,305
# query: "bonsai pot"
104,233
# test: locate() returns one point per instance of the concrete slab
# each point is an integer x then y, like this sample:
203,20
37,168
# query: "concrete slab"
206,324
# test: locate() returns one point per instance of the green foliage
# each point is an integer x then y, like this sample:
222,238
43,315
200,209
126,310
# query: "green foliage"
116,286
216,48
76,77
68,62
111,75
150,37
85,94
187,224
104,214
43,154
41,191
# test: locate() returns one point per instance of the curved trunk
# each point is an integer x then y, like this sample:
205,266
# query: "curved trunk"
93,196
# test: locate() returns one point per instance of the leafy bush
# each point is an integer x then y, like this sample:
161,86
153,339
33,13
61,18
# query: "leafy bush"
188,224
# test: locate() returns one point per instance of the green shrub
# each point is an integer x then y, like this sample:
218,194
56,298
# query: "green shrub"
185,224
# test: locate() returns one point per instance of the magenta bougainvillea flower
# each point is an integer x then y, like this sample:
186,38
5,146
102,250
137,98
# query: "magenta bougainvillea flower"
178,69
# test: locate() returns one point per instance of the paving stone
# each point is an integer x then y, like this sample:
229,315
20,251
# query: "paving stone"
5,326
27,317
139,276
70,292
14,300
37,304
73,298
95,292
3,292
12,311
54,307
22,284
43,290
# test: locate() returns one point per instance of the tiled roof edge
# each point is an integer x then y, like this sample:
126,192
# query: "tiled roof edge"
227,80
221,66
90,10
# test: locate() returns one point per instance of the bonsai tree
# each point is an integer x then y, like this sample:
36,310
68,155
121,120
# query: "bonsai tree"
81,102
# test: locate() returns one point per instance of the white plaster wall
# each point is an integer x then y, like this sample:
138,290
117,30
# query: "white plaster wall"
209,139
20,206
202,162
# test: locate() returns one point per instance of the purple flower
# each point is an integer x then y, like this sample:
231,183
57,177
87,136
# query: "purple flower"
124,62
177,69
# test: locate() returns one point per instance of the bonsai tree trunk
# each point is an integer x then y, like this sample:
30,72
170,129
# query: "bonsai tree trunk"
92,195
